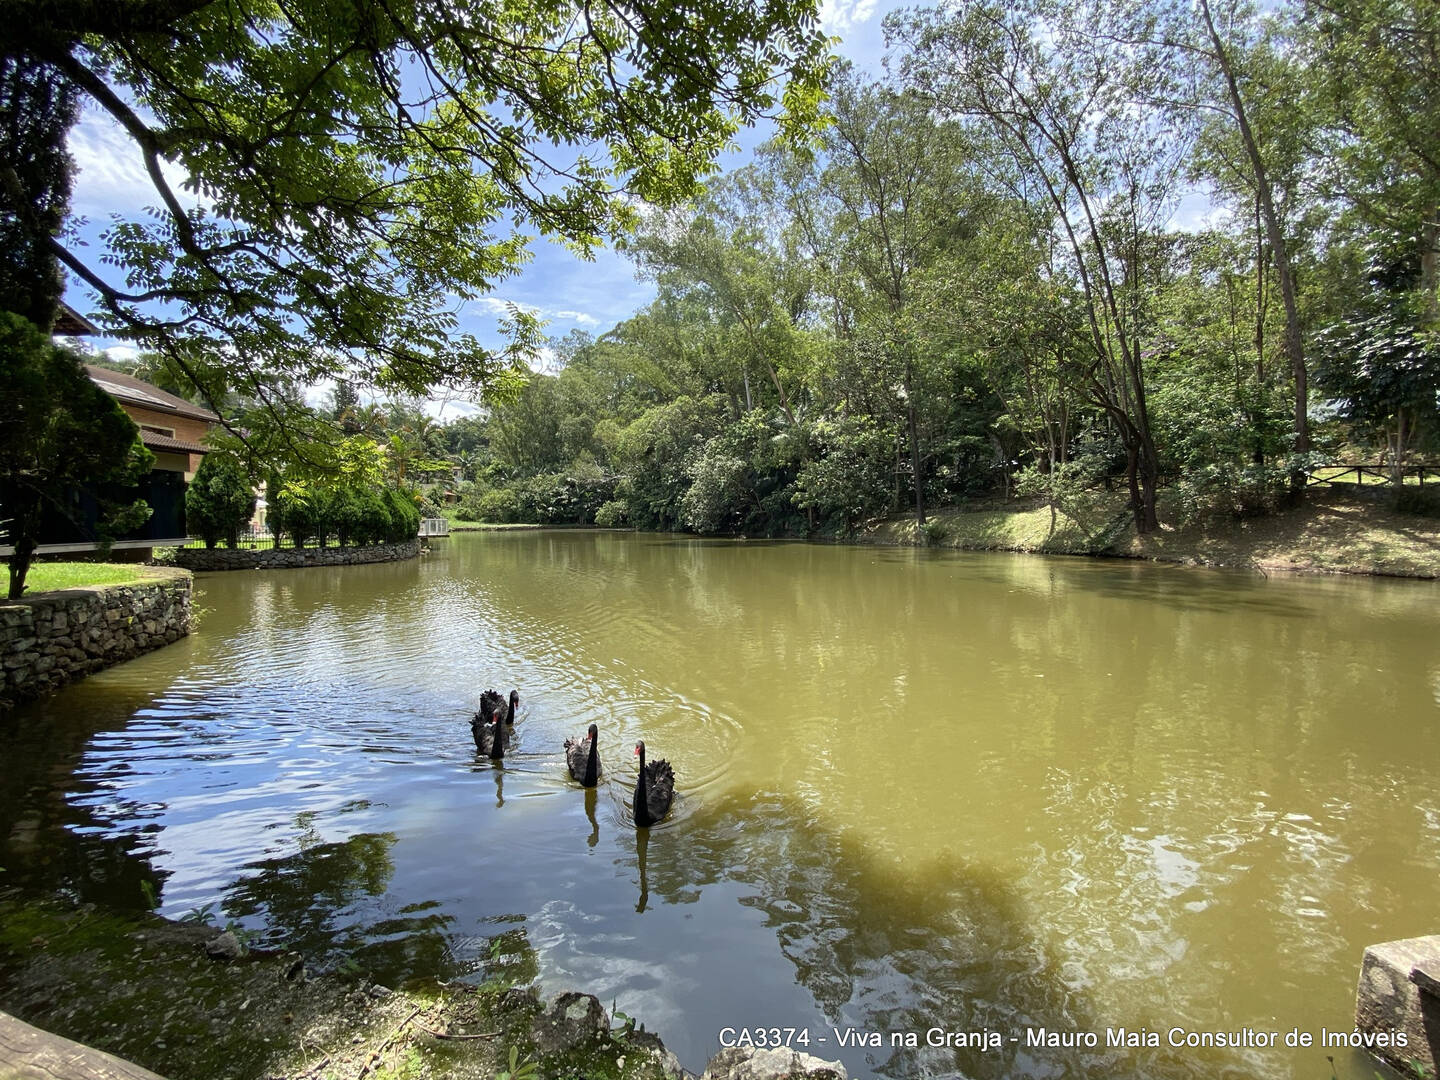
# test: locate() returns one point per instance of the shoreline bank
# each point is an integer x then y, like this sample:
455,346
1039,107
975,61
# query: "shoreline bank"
49,639
186,1000
1332,532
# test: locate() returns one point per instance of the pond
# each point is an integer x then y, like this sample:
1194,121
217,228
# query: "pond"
981,794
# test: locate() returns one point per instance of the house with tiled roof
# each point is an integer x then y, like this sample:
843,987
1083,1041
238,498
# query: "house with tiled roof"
173,428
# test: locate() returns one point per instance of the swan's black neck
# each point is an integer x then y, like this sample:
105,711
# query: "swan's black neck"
592,762
510,710
642,795
497,740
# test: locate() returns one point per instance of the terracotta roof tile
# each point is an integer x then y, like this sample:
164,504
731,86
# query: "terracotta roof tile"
157,441
128,388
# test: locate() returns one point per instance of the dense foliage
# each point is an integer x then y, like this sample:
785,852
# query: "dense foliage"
37,107
985,276
219,500
978,284
59,434
353,169
346,512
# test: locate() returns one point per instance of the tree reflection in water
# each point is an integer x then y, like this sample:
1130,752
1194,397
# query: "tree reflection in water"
57,833
318,900
885,946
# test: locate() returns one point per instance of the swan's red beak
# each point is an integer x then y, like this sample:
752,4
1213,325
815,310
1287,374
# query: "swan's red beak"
635,752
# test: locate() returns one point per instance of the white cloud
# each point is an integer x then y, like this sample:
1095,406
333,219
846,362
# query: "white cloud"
1197,211
121,353
577,317
444,405
838,16
110,171
499,306
317,394
447,408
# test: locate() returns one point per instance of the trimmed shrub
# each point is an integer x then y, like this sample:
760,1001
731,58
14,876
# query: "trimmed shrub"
404,516
342,514
372,517
219,501
293,510
351,514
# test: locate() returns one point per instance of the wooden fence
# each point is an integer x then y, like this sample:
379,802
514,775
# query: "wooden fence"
1376,474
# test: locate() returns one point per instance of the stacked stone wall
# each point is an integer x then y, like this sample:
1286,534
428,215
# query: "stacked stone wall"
52,638
222,558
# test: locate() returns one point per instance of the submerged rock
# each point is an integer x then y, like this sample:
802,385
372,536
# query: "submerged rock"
295,968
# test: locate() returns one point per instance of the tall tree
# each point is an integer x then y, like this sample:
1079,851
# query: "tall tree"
58,432
1241,71
1376,62
904,199
37,107
1057,92
345,405
727,254
354,167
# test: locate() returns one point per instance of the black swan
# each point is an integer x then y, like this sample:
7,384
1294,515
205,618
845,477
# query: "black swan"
583,757
653,790
489,738
490,703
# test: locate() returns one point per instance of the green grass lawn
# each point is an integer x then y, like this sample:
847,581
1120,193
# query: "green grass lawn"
47,576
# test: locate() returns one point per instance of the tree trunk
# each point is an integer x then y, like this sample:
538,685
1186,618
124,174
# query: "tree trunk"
1397,458
1279,252
919,478
1132,481
1430,264
899,498
1260,308
1148,518
20,565
27,1051
24,526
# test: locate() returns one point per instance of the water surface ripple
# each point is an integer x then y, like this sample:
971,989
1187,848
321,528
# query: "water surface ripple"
918,790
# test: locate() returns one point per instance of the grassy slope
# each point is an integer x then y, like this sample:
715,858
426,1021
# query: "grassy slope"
1334,531
46,576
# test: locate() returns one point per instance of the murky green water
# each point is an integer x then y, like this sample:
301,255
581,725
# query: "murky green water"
978,793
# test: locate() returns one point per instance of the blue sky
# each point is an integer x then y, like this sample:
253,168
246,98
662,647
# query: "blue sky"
566,291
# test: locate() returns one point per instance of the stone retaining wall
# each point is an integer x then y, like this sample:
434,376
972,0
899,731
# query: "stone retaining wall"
1397,1006
221,558
54,637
